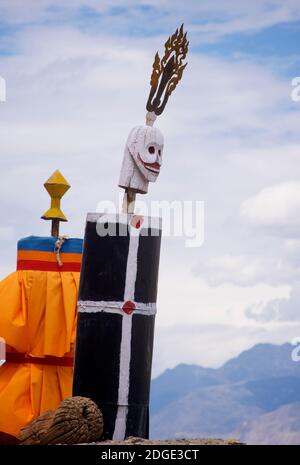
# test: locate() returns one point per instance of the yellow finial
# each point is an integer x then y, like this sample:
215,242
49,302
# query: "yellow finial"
56,186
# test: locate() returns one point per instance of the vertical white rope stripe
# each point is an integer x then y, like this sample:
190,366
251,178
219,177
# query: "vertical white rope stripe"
120,424
125,350
125,360
131,269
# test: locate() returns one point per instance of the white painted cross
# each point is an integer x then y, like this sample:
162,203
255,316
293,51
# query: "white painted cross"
2,89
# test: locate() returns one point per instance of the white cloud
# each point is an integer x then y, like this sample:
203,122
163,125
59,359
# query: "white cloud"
287,309
242,270
283,267
212,345
196,301
276,206
6,233
292,248
217,19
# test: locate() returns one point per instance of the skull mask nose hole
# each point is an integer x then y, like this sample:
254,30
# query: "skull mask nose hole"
151,149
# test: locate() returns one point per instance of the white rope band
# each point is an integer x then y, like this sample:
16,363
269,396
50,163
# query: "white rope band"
89,306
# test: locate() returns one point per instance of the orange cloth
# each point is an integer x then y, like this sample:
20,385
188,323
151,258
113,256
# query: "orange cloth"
38,312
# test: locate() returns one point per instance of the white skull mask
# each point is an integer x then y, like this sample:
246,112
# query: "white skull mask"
144,147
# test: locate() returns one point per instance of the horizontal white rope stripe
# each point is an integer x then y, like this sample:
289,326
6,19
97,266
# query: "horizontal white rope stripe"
90,306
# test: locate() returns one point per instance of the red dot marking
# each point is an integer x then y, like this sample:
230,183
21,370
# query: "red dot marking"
128,307
137,221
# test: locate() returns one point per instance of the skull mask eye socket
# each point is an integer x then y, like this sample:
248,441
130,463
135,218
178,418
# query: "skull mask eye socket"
147,145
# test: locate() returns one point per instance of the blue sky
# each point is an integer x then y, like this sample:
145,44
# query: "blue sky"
276,43
279,40
77,77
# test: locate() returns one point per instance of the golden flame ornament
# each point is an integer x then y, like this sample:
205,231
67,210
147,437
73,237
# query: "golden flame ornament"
167,72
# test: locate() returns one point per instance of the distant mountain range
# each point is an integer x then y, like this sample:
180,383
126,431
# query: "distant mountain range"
254,397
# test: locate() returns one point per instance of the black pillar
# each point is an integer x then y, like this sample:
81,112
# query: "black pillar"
116,313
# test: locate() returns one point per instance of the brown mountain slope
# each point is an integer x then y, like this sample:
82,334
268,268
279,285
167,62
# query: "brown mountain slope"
281,426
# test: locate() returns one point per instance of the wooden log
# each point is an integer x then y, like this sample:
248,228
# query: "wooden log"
34,432
76,420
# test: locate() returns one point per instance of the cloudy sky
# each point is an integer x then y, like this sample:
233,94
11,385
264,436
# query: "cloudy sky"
77,75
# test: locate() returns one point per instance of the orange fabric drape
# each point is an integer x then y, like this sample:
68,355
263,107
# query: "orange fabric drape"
38,312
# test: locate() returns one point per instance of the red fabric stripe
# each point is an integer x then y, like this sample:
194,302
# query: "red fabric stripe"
17,357
46,266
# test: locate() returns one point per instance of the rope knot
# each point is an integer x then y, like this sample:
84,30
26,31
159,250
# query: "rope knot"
57,248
